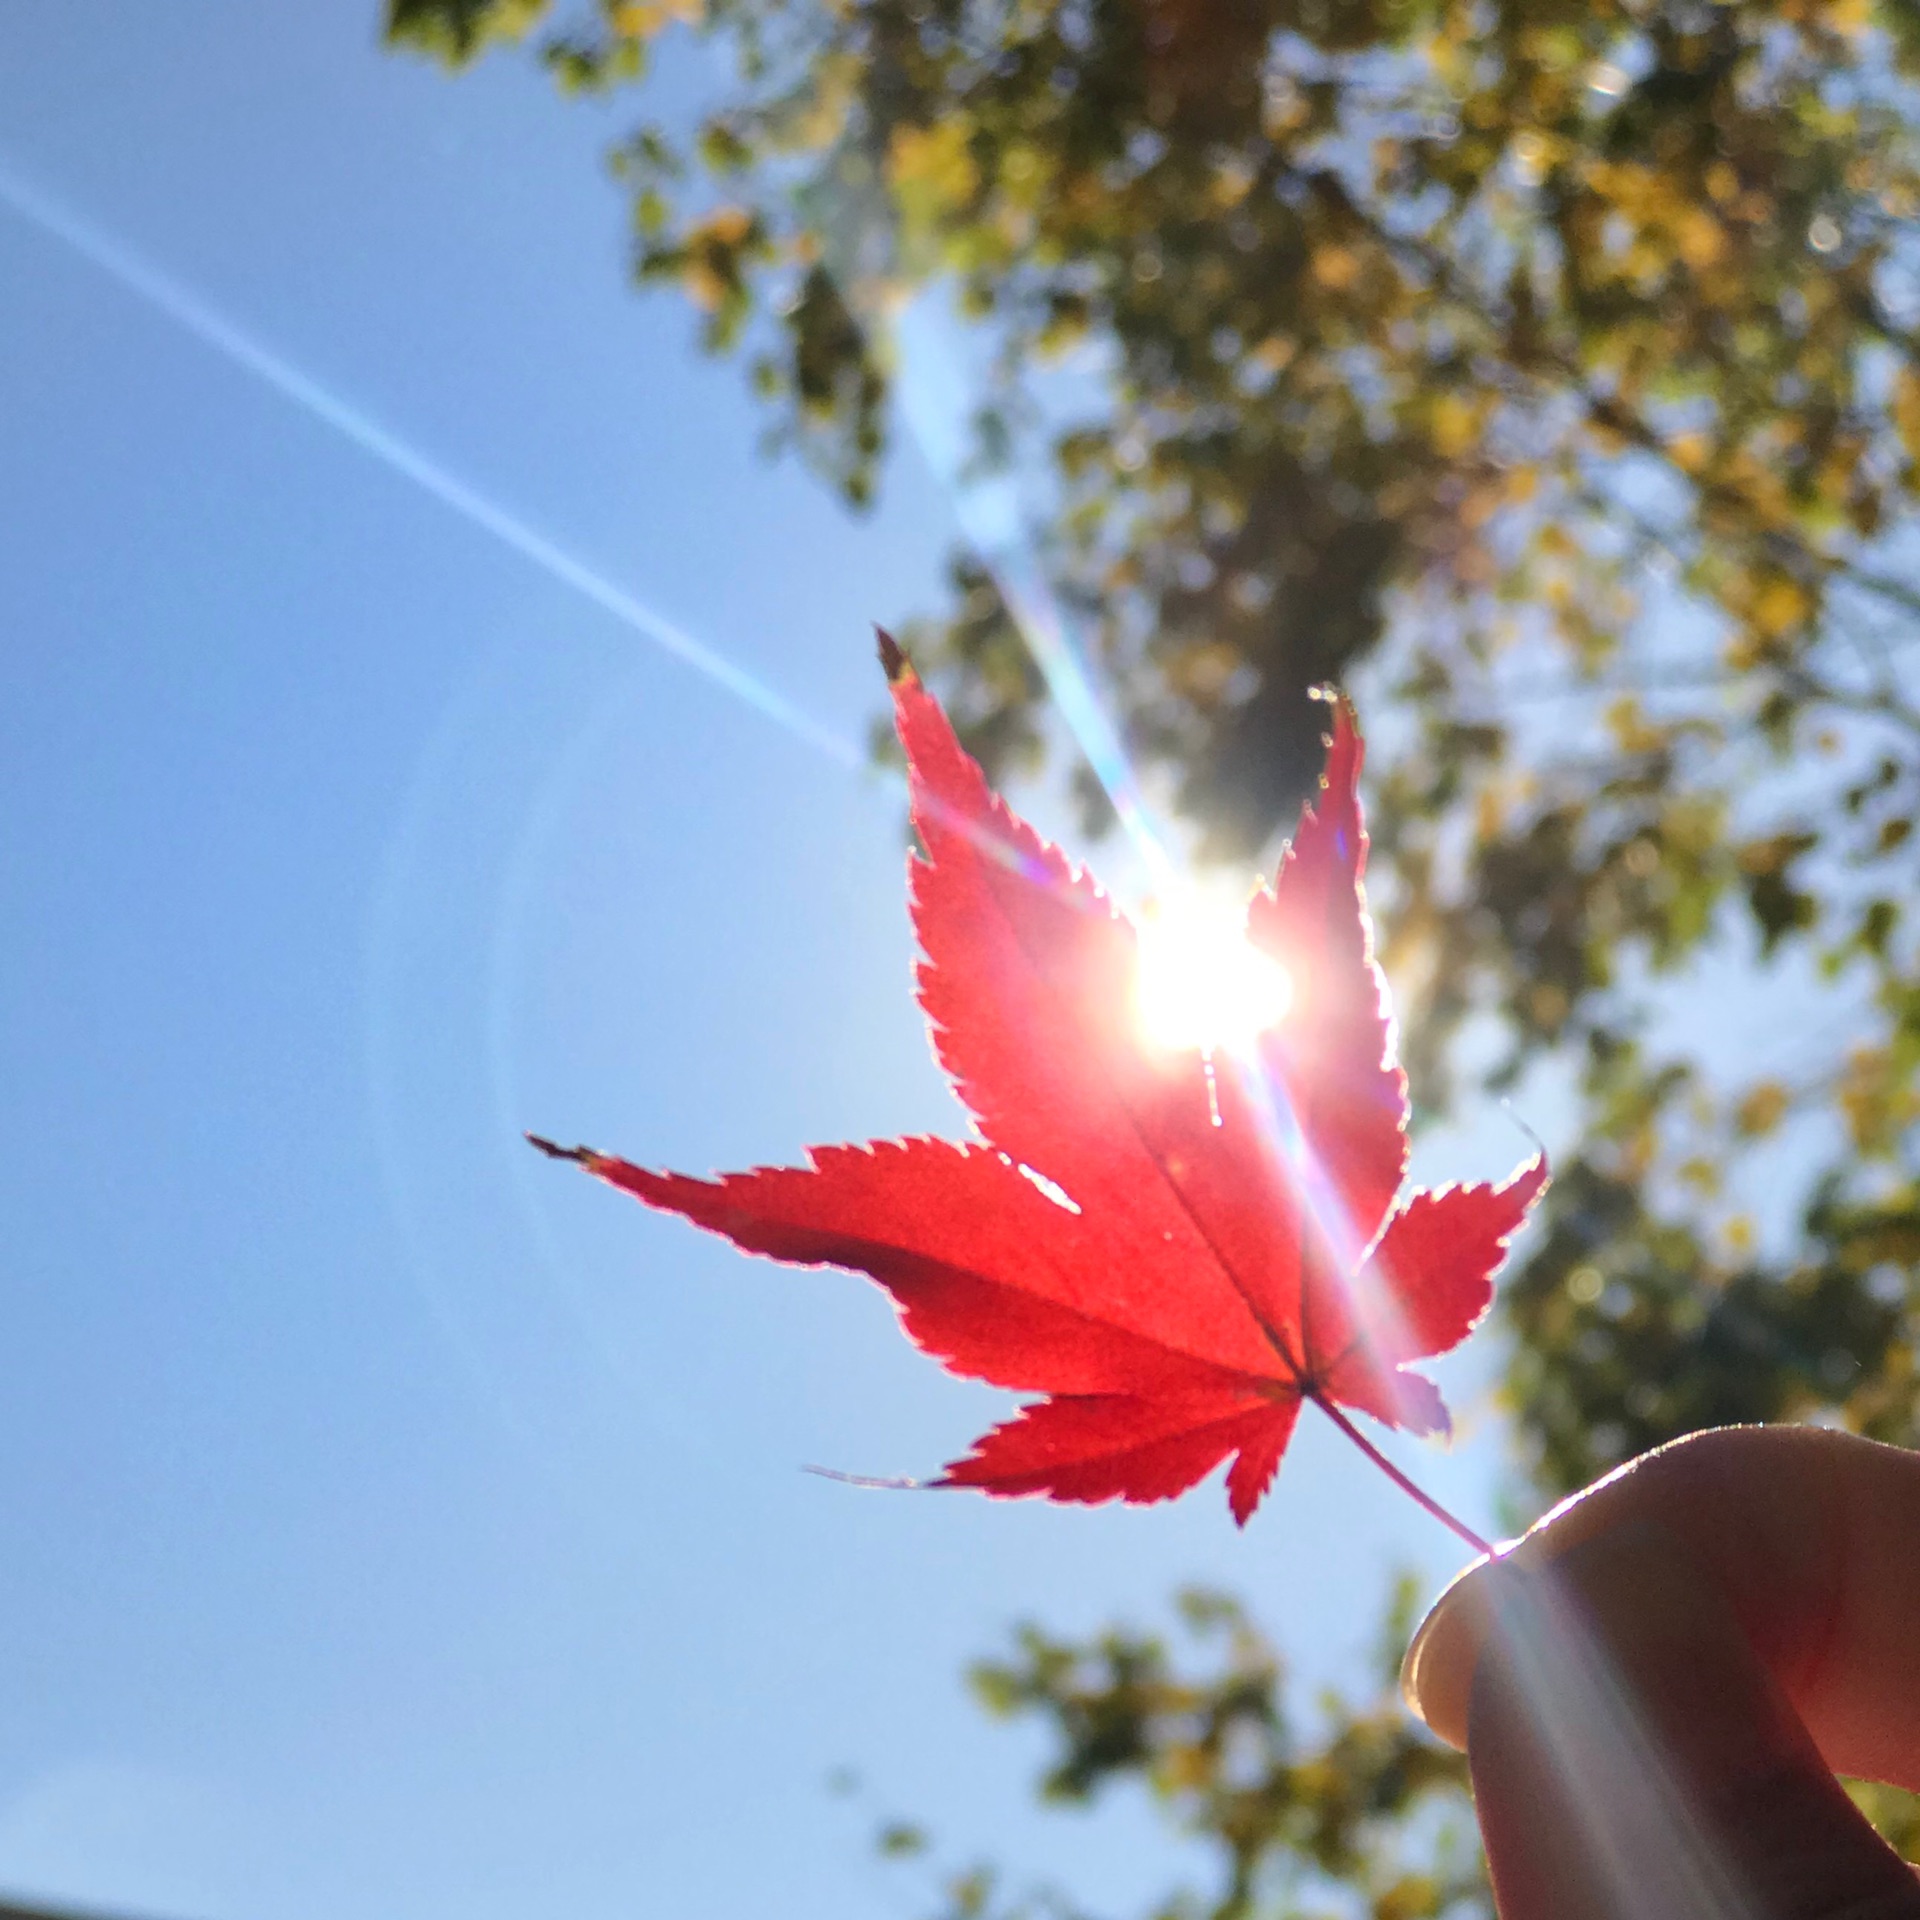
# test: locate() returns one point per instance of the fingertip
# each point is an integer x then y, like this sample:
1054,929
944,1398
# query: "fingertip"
1436,1677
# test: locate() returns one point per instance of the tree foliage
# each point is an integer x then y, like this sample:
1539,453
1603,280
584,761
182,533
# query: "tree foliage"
1553,368
1356,1812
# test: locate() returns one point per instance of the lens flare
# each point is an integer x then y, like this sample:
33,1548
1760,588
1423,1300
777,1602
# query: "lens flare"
1201,984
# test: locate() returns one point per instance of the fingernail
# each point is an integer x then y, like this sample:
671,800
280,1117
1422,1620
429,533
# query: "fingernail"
1436,1677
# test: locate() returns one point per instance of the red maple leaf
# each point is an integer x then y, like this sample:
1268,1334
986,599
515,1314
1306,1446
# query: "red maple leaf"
1175,1250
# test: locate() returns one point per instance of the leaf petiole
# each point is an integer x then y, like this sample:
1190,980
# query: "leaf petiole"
1398,1478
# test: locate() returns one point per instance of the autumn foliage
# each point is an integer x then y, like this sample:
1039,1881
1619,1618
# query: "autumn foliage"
1175,1248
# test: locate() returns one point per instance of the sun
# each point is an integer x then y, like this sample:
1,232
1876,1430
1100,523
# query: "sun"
1200,984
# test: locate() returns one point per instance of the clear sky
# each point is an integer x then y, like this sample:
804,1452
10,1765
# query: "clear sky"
392,1523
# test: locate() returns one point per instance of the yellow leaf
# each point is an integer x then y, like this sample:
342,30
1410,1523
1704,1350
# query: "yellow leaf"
1547,1003
1336,268
1688,451
1630,727
1906,410
1701,238
1761,1108
642,19
1490,812
1454,426
932,169
1780,606
1701,1174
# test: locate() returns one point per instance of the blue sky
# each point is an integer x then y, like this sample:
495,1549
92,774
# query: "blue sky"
391,1523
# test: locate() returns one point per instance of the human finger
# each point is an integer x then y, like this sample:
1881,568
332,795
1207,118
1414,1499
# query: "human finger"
1813,1537
1652,1687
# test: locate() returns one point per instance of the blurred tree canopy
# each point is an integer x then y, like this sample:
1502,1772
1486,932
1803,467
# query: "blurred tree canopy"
1362,1808
1549,368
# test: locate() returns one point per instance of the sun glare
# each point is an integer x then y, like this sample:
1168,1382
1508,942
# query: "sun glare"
1200,983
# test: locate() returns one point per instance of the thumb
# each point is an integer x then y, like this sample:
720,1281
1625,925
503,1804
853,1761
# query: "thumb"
1631,1755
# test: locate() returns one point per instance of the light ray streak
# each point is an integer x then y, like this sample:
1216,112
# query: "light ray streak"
1049,635
994,519
1286,1137
1645,1839
1331,1245
193,315
1327,1228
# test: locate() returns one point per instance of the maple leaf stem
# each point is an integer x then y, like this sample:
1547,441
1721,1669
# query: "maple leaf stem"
1398,1478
